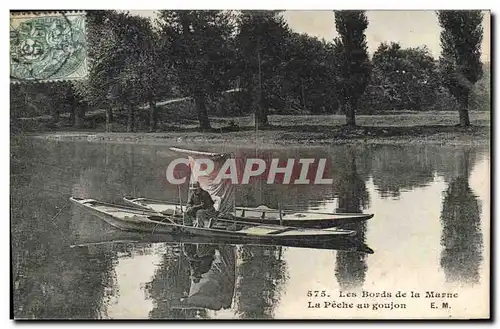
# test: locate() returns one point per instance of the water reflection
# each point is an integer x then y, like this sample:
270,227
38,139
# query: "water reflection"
398,168
352,196
261,275
212,273
52,280
460,219
169,284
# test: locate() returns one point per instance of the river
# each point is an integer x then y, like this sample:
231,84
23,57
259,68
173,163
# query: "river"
430,232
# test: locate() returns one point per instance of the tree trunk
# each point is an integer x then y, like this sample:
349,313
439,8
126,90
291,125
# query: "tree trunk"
261,113
79,116
56,115
201,109
72,117
303,96
109,119
463,110
152,116
131,118
350,115
261,110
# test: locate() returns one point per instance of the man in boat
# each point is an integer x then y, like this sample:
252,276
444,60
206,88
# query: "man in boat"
200,206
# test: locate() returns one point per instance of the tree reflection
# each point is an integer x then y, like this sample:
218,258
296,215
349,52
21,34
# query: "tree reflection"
460,219
261,276
353,197
398,168
50,279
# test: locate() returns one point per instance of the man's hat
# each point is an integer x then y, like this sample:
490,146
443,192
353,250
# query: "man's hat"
194,185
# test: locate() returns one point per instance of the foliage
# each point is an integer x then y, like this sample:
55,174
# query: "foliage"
402,79
33,99
353,64
125,70
262,54
199,44
460,61
123,60
310,74
232,64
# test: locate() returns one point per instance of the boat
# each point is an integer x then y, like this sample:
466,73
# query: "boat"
261,214
223,193
134,219
114,235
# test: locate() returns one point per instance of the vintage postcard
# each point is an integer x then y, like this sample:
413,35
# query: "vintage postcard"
250,164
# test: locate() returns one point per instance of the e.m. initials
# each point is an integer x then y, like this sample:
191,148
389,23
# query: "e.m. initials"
444,305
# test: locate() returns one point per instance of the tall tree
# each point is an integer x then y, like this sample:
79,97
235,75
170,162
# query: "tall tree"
261,43
460,60
353,63
199,44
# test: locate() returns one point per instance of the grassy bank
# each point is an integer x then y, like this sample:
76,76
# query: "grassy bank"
401,128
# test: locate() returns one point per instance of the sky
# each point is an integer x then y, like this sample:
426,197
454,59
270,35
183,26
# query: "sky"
409,28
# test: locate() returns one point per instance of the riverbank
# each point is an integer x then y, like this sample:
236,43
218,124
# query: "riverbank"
404,128
365,135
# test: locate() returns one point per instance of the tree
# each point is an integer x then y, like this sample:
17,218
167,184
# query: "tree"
124,66
353,63
402,79
262,54
101,47
460,60
310,74
198,42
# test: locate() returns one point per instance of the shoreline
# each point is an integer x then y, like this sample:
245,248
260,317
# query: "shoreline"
475,136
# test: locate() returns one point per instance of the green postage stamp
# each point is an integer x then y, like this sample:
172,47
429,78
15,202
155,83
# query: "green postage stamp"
48,46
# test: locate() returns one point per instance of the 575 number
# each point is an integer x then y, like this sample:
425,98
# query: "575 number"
316,293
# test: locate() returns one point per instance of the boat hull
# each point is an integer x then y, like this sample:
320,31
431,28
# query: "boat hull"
261,215
133,219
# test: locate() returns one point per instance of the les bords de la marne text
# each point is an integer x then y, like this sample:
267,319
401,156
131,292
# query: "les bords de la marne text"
437,300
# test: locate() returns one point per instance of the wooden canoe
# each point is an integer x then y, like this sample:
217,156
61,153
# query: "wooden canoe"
261,215
133,219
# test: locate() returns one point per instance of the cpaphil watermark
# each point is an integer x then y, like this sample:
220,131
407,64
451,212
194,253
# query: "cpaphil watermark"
237,171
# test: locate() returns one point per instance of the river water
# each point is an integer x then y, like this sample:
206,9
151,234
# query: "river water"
430,232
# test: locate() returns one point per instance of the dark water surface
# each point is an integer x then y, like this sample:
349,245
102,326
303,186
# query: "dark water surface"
430,232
